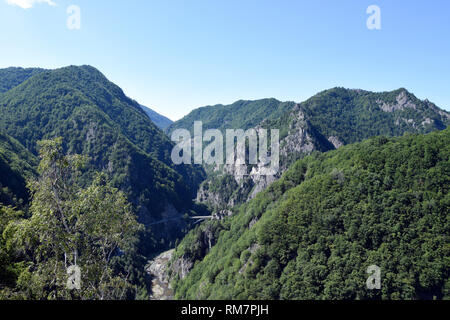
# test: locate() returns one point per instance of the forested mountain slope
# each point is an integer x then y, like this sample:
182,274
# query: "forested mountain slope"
242,114
12,77
96,119
326,121
16,165
313,233
354,115
161,122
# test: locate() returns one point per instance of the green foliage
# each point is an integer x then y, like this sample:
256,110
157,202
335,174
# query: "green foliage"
239,115
310,235
16,165
70,225
160,121
96,119
340,115
9,267
354,115
12,77
313,233
52,99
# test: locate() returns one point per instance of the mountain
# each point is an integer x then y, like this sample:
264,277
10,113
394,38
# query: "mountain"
349,115
95,118
17,164
161,122
336,206
12,77
324,122
353,115
313,233
242,114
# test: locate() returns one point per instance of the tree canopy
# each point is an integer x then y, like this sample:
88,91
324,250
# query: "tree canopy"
314,233
69,225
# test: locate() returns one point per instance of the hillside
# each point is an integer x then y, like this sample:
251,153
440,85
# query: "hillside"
12,77
347,114
242,114
336,206
324,122
353,115
16,165
313,233
96,119
161,122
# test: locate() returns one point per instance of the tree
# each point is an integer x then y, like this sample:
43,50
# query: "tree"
9,268
73,226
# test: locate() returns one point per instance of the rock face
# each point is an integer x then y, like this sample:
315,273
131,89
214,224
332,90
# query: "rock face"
402,103
325,122
182,266
249,180
197,247
205,196
299,138
335,141
253,248
158,269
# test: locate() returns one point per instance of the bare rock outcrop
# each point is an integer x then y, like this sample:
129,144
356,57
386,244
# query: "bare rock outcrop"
403,102
158,269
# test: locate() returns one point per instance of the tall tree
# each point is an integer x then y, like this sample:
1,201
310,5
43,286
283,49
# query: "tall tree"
73,226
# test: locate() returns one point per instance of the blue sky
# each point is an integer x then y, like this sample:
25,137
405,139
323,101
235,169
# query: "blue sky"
177,55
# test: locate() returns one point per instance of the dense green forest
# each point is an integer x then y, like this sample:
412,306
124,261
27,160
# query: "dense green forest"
86,178
326,121
313,233
17,165
356,114
350,115
93,228
12,77
95,118
239,115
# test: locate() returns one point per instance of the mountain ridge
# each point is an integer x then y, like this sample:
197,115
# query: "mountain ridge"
95,118
17,165
313,233
13,76
326,121
161,121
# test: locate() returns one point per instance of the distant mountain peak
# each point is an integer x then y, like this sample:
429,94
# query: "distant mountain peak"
159,120
326,121
13,76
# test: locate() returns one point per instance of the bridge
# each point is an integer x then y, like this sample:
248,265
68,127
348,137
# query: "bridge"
198,218
201,217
